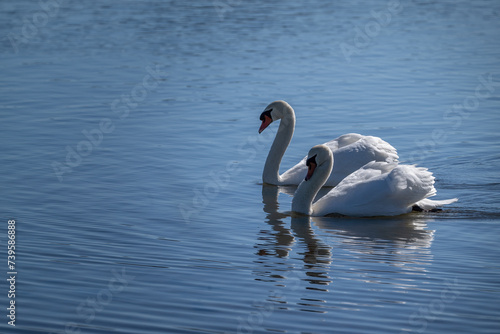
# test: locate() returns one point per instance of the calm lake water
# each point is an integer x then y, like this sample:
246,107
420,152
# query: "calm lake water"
131,164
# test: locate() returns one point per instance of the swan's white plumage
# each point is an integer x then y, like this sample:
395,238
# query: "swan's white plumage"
351,151
376,189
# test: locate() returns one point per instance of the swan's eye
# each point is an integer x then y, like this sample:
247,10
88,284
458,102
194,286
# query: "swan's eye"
311,160
266,113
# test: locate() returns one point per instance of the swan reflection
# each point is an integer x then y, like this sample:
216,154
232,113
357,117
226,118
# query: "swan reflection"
326,245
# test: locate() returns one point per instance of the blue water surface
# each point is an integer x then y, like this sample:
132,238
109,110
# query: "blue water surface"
132,165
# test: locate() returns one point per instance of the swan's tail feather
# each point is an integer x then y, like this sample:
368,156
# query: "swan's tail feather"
429,204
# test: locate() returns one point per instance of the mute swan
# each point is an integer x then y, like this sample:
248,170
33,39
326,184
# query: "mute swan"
376,189
352,151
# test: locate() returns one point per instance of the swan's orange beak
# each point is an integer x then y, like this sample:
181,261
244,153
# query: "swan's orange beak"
265,123
310,171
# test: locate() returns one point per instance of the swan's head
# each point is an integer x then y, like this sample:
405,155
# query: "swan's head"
274,111
319,166
320,156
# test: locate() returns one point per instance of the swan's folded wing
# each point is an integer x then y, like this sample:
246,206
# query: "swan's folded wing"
357,193
297,173
373,147
410,184
368,172
381,150
351,157
343,141
364,193
351,152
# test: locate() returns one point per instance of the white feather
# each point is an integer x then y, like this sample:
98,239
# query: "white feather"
376,189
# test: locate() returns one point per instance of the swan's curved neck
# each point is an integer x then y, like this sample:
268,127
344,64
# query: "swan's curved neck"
307,190
281,141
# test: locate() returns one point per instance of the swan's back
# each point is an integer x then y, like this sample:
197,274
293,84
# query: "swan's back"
345,140
354,151
378,189
351,152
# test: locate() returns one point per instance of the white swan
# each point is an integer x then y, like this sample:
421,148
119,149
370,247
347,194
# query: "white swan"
376,189
352,151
